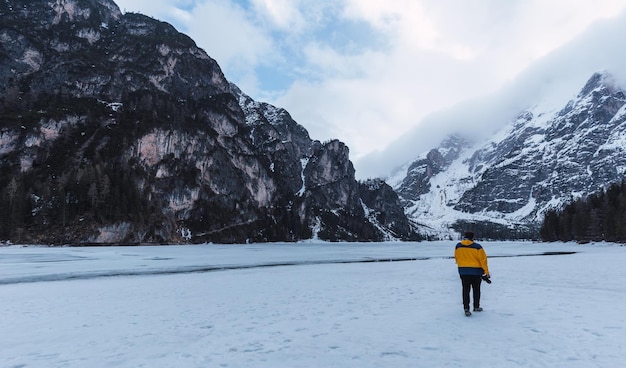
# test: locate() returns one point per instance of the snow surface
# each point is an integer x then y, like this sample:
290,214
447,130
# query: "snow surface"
307,305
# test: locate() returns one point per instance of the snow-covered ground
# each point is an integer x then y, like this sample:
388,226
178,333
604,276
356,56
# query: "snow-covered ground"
309,305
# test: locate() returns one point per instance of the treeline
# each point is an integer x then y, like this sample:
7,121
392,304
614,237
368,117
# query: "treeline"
80,178
486,230
101,193
599,217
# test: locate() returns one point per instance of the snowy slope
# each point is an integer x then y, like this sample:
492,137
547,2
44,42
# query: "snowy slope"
376,314
542,159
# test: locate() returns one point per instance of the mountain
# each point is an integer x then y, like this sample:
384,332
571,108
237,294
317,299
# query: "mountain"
544,158
116,128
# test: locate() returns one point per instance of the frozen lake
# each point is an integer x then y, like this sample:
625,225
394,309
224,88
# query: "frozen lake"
310,305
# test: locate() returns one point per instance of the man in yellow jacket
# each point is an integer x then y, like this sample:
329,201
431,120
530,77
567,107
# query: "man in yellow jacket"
471,259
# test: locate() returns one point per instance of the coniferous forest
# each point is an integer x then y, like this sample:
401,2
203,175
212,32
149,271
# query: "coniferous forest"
598,217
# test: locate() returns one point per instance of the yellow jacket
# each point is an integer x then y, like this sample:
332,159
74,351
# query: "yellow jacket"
471,258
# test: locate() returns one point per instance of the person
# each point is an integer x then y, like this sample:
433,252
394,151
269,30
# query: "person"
471,260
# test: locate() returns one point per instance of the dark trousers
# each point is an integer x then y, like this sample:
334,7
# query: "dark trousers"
471,282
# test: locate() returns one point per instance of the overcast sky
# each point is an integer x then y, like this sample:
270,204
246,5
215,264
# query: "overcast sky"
372,73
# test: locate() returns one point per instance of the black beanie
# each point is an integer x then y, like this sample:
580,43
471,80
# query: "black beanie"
469,235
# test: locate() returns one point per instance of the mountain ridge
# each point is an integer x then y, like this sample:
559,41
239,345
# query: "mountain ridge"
117,129
539,161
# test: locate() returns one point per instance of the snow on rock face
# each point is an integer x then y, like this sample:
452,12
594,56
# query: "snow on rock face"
51,129
73,10
285,143
89,34
419,173
69,8
8,141
382,205
321,176
517,174
33,59
164,50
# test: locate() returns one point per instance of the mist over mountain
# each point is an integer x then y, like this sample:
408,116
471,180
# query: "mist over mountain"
546,156
552,80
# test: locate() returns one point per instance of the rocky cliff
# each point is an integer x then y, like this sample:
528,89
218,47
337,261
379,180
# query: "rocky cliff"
116,128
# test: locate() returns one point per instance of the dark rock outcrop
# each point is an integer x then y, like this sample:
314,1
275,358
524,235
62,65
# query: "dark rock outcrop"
116,128
384,208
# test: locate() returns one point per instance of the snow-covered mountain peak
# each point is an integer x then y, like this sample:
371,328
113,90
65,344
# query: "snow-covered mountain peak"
541,159
598,81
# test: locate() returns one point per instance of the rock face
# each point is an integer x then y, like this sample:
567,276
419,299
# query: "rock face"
385,209
418,175
116,128
541,160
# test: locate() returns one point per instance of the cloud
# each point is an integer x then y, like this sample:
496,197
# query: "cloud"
373,72
436,55
281,14
551,82
229,31
160,9
228,34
